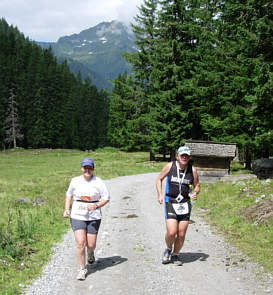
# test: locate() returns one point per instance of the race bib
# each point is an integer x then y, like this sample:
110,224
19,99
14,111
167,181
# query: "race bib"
80,208
181,208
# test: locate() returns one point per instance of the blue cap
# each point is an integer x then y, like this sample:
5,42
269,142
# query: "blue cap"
184,150
87,162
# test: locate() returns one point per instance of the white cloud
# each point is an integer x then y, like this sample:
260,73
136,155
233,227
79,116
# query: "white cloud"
47,20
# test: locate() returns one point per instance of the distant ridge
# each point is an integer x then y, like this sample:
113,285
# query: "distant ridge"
96,52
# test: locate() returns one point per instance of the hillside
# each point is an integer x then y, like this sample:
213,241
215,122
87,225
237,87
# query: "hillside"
96,52
42,104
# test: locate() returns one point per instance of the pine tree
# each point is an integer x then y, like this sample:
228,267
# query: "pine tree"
102,117
239,61
71,90
122,109
48,96
139,123
145,32
183,43
262,27
13,133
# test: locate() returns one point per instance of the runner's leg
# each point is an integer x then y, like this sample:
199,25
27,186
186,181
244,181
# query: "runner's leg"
91,241
180,238
81,241
172,229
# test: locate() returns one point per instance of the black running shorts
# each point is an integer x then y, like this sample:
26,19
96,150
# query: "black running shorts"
171,214
91,226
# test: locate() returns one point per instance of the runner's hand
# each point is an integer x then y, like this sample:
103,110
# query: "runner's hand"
160,199
66,213
91,207
194,196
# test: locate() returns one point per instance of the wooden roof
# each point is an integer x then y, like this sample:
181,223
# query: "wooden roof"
212,148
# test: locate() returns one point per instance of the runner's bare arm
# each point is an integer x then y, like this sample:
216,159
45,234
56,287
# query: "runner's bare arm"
94,206
195,183
159,181
67,206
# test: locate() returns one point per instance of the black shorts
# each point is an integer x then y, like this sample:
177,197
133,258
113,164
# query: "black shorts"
91,226
171,214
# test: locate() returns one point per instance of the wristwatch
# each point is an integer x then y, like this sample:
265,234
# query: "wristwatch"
97,207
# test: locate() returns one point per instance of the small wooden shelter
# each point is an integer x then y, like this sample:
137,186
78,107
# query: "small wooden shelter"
212,159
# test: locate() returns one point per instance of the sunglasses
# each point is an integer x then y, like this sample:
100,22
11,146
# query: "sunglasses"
184,156
88,167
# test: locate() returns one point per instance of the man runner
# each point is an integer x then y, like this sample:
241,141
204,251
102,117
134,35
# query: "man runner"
181,176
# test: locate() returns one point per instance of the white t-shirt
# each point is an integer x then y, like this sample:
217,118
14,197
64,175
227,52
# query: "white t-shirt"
92,190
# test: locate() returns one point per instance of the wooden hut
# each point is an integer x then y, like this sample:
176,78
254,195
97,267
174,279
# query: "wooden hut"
212,159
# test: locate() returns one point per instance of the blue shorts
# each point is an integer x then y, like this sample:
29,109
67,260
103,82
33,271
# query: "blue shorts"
91,226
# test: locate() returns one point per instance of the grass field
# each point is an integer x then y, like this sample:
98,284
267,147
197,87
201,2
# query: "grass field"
243,212
32,190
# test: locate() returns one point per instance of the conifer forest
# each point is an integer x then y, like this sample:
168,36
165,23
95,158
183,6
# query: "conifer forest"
42,104
203,71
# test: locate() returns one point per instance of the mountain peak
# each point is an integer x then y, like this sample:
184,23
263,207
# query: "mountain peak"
114,27
98,49
102,29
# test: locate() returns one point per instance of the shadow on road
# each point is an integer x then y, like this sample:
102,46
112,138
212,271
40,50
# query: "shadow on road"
191,257
103,263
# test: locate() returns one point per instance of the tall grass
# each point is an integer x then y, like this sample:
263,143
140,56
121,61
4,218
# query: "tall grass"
225,207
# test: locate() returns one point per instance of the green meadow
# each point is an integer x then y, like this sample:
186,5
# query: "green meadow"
32,190
242,211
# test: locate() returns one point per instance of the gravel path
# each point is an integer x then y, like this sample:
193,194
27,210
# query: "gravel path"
129,249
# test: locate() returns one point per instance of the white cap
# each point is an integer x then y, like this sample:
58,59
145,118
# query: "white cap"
183,150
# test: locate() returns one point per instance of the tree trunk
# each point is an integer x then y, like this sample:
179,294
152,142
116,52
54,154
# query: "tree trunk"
247,159
14,135
172,155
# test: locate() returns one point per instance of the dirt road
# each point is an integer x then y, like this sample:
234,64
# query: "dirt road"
129,249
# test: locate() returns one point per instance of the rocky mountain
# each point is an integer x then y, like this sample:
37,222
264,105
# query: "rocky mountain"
96,52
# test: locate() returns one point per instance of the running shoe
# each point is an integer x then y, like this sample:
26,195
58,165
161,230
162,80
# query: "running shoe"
175,260
166,256
82,274
90,257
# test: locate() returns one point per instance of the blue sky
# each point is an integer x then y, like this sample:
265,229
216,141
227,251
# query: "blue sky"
47,20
